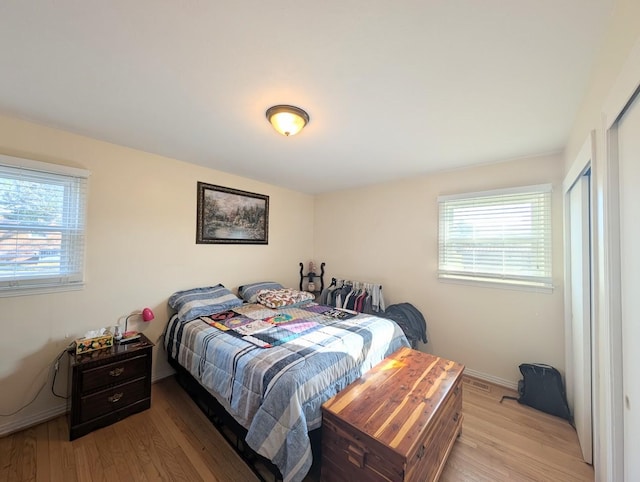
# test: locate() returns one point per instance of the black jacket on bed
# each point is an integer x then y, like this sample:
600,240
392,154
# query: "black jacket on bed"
409,318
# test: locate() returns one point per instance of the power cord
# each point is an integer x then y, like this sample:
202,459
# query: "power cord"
55,365
55,373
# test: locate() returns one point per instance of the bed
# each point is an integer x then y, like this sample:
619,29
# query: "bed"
273,380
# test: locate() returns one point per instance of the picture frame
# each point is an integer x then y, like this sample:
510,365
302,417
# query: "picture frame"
231,216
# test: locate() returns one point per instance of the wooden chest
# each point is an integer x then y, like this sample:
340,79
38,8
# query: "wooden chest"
397,423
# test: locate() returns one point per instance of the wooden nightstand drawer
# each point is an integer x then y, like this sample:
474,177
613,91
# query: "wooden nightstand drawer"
112,399
118,372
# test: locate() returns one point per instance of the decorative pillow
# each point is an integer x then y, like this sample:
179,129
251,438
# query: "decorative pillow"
249,292
191,304
282,297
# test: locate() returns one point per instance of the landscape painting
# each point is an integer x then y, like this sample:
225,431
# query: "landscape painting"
231,216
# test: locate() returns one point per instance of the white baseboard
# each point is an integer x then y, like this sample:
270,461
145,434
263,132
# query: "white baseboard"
491,379
33,419
168,372
55,411
59,409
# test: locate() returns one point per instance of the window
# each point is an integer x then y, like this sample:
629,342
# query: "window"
42,226
501,236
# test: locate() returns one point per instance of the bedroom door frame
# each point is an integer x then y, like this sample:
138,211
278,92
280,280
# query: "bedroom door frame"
579,327
610,414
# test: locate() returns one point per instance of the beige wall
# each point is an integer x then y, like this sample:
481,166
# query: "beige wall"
388,233
622,33
140,248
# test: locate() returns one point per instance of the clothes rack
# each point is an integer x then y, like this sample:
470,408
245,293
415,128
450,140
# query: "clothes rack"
354,295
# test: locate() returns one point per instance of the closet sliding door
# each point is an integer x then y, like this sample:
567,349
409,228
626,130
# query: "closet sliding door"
579,295
629,168
619,367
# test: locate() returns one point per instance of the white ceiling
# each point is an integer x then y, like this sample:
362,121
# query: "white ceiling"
393,88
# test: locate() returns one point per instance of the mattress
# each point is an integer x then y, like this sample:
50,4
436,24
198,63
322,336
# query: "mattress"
274,381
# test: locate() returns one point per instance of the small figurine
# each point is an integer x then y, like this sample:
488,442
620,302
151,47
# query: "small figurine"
312,268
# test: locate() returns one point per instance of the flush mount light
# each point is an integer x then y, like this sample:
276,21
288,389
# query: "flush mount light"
288,120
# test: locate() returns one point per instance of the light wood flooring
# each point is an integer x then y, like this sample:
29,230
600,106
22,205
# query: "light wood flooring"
174,441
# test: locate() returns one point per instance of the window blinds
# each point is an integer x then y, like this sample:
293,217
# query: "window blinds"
501,236
42,224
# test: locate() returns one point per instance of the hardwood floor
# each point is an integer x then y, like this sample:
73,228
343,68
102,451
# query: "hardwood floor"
508,441
175,441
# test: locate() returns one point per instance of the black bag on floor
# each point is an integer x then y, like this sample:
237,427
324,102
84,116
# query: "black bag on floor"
542,388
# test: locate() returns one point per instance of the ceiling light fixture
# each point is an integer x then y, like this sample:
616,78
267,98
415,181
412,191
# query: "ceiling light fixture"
288,120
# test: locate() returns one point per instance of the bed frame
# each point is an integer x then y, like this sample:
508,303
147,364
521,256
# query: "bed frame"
235,434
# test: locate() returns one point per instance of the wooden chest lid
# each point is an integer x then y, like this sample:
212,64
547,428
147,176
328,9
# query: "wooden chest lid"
396,400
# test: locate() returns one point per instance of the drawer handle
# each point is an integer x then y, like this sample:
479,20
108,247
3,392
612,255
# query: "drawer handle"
115,397
356,456
421,452
116,372
456,417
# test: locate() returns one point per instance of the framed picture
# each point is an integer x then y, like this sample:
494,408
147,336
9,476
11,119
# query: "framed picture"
231,216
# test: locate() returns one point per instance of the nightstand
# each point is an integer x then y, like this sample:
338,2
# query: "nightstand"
305,279
108,385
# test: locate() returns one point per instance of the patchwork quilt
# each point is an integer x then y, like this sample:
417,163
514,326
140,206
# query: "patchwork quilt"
272,369
266,327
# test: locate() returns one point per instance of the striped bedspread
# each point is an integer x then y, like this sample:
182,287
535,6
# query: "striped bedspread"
276,393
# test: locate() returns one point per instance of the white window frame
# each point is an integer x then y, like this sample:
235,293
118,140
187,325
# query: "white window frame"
508,270
70,276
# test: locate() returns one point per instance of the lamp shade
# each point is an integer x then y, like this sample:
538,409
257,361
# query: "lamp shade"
288,120
147,314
